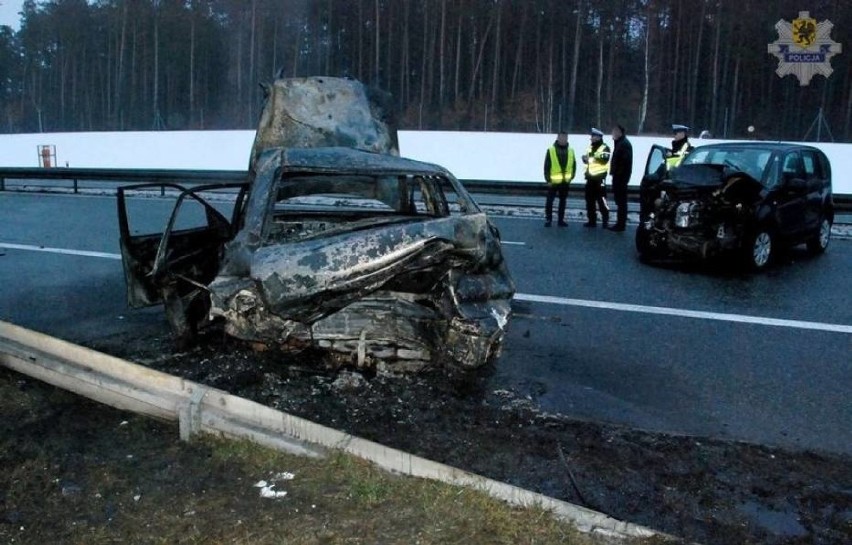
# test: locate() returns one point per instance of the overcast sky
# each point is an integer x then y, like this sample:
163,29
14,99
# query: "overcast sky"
9,10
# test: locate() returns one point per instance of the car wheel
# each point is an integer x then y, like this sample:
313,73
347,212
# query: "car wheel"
759,249
819,242
643,244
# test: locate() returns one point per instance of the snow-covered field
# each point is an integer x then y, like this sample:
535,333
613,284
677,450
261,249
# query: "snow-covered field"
468,155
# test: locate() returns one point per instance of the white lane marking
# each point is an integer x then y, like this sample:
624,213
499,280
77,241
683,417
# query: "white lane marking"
549,299
510,243
682,313
58,251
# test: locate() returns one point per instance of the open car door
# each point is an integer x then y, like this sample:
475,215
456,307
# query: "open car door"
654,174
175,266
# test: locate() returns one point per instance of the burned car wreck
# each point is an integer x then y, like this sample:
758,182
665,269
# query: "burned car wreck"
747,200
378,259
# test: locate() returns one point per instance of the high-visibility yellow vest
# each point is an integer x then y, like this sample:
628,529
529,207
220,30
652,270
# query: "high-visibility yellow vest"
557,175
677,156
598,163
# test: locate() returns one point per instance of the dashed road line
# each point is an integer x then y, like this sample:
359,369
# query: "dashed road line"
63,251
553,300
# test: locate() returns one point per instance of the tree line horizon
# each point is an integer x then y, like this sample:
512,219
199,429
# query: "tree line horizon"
494,65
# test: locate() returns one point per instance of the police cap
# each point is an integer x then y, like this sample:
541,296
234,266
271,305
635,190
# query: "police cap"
596,132
680,128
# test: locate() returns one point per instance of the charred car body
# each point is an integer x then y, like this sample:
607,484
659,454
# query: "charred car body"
377,258
744,199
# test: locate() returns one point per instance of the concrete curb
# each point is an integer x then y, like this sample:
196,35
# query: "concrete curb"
198,409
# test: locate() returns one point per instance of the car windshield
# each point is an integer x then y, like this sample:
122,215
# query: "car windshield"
748,160
312,203
361,194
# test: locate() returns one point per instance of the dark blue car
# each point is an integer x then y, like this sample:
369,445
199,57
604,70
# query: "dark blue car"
743,199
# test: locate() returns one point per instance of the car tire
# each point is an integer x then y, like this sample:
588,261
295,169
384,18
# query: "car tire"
759,249
819,242
643,244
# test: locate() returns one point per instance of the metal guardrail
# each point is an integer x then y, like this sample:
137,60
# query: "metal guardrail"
842,202
203,409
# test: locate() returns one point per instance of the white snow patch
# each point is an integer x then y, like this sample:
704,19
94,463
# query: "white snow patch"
468,155
267,488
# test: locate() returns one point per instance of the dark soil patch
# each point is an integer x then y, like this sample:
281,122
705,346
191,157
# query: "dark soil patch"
700,489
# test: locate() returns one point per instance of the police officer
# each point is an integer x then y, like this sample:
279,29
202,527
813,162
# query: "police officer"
620,168
596,160
680,147
559,170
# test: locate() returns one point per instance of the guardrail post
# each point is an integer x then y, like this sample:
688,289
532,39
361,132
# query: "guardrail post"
2,184
75,186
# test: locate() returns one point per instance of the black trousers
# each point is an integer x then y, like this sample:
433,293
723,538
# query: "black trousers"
619,192
596,198
552,191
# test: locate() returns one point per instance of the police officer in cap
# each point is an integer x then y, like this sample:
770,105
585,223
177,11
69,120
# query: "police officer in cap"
596,160
680,147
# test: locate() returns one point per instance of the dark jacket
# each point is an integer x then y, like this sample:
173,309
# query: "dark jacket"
561,154
621,163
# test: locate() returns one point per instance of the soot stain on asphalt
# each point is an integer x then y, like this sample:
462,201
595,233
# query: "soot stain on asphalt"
704,490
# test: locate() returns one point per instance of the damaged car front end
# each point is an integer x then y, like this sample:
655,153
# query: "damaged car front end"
380,260
742,200
700,213
371,256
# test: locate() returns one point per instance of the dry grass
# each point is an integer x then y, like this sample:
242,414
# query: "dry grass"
79,473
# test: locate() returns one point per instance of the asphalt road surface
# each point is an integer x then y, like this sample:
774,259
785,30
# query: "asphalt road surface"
683,348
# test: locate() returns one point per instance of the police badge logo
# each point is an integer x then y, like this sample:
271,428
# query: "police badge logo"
804,48
804,30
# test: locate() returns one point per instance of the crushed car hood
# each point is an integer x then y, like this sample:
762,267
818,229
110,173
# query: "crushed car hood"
309,279
318,112
712,180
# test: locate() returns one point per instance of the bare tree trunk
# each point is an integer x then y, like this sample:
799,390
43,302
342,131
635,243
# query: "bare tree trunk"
675,79
423,57
600,78
615,36
192,64
548,107
578,35
693,86
251,75
475,71
404,84
441,42
119,76
360,41
495,73
156,83
378,63
714,99
563,72
643,110
456,90
734,91
848,124
519,52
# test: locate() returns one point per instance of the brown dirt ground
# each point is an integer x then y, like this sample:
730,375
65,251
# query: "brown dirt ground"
703,490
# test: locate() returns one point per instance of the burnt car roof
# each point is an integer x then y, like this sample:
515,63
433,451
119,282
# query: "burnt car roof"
338,159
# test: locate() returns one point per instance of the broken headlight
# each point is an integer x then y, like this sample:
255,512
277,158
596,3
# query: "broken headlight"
686,214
